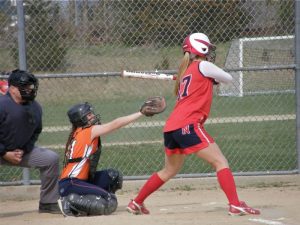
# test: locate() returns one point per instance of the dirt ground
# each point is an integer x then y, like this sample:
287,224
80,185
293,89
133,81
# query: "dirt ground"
180,201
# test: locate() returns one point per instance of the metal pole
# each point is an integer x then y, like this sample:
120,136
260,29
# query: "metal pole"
22,62
21,36
297,74
76,13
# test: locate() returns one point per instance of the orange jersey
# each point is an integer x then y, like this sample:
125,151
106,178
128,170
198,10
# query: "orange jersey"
81,147
193,101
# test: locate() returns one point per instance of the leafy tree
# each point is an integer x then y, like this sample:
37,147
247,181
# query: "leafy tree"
160,22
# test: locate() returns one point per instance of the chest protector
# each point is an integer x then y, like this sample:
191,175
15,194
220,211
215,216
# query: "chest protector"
94,160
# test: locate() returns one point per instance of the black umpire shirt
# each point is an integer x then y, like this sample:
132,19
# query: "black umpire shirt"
20,125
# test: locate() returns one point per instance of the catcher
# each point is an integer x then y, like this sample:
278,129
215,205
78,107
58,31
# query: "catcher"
83,190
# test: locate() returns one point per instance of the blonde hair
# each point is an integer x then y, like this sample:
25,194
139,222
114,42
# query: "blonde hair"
185,62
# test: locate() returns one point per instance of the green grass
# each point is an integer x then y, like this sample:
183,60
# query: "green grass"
55,115
249,146
6,61
254,105
114,58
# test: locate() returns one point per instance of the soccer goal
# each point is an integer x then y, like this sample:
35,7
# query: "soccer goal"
264,64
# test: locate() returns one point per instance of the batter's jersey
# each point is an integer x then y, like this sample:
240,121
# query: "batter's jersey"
81,147
194,99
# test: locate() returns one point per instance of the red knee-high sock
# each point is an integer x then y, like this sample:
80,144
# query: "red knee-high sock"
227,184
153,183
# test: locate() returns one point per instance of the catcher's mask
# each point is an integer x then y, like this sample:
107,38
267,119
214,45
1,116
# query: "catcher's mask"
199,44
78,115
26,82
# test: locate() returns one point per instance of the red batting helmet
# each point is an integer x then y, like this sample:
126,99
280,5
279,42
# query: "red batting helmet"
3,87
198,44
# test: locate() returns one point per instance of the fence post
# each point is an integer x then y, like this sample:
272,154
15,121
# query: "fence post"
297,74
22,62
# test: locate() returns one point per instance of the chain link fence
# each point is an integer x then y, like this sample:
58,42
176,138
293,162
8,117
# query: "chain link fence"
79,48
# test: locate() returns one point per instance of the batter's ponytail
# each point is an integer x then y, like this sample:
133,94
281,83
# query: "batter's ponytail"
185,62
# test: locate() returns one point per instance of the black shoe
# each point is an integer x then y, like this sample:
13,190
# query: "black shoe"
49,208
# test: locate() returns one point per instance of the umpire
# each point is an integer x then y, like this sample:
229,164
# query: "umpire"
20,127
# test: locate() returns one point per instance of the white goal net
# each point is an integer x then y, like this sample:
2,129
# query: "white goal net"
263,62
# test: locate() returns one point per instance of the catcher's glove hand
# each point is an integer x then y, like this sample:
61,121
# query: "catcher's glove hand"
153,105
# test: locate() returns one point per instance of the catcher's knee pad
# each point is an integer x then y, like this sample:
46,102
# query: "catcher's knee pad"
110,179
88,205
116,180
112,204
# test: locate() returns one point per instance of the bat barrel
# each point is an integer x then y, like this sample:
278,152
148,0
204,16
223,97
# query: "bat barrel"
159,76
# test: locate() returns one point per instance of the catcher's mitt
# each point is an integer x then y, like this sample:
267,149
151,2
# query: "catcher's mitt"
153,105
